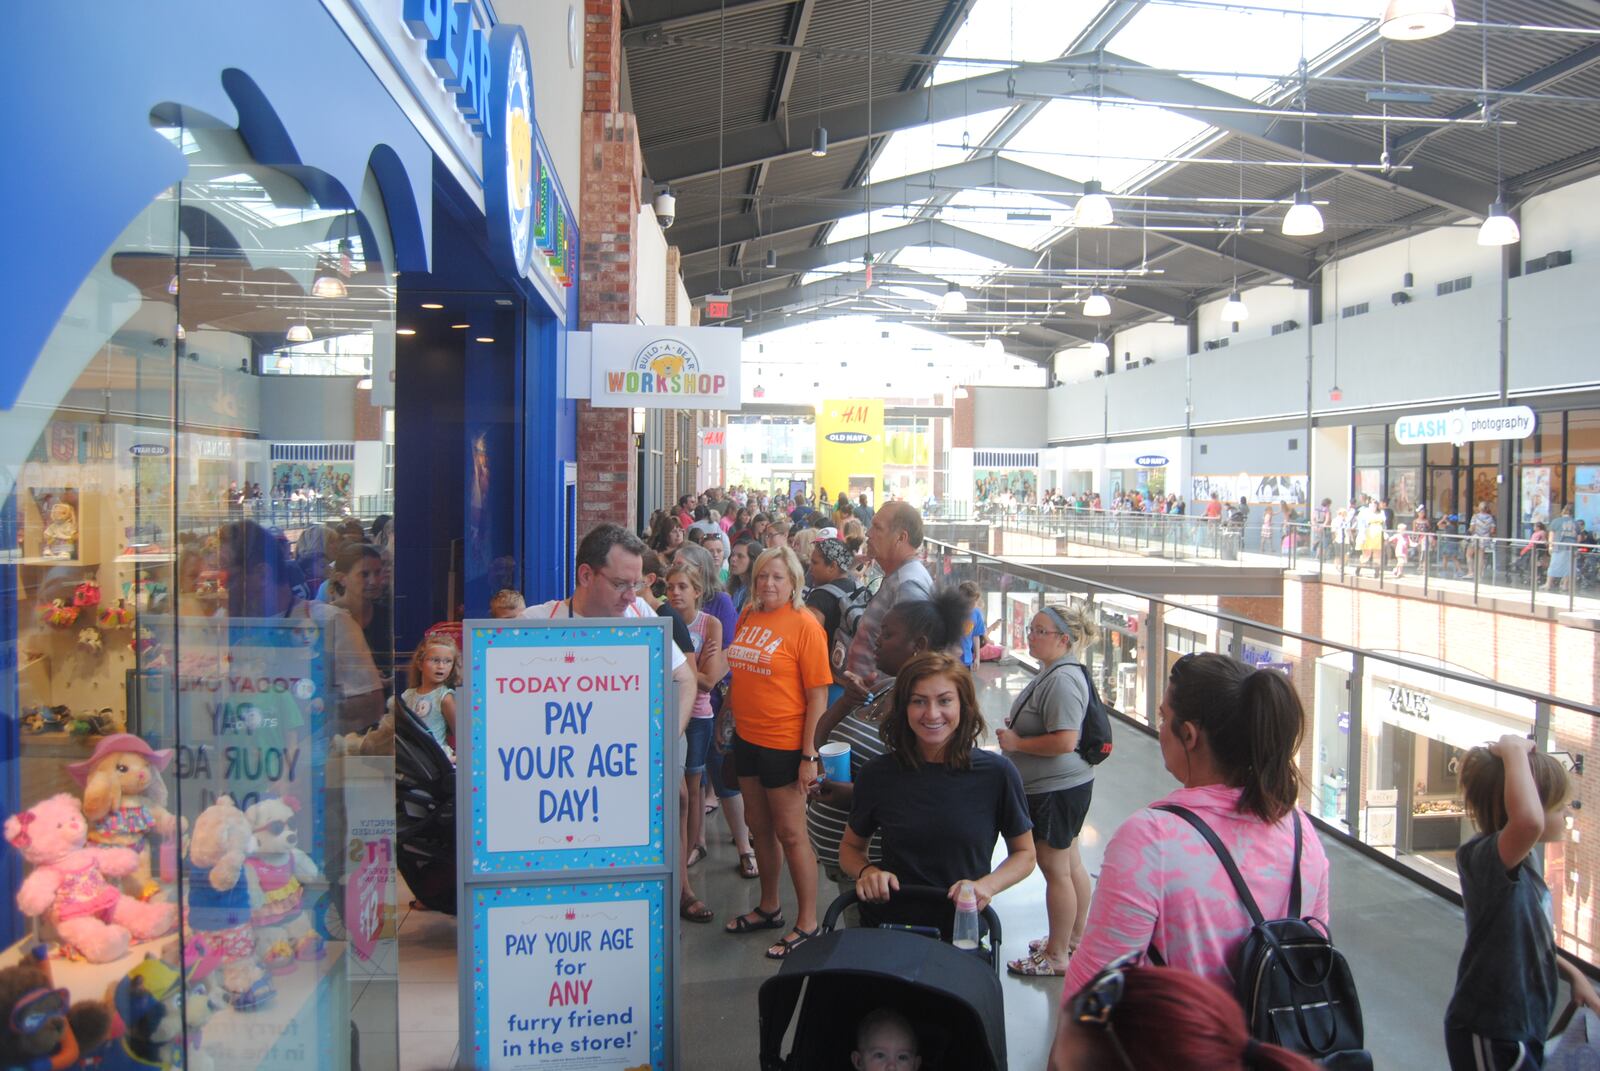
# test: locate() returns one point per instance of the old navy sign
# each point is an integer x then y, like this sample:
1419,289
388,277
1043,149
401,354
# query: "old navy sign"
1150,461
1466,425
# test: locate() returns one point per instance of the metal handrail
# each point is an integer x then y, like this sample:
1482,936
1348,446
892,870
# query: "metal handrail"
1073,580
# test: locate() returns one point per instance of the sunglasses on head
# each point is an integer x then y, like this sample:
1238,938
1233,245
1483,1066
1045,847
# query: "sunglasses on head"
36,1008
1096,1002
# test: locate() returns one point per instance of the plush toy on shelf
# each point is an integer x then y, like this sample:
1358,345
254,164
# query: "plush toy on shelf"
277,869
125,800
219,902
39,1031
150,1001
61,534
68,887
86,596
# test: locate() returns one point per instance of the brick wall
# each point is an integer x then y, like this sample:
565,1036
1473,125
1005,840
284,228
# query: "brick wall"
961,422
602,56
611,173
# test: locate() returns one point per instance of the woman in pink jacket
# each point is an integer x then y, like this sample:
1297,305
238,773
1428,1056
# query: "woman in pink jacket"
1229,733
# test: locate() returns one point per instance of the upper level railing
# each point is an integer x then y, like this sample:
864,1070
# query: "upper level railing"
1384,732
1553,574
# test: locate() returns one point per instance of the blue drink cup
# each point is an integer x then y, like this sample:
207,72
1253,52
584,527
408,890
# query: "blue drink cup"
835,761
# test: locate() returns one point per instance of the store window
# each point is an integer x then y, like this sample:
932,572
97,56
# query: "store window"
195,496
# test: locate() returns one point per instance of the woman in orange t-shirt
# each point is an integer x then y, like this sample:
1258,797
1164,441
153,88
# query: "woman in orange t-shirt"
779,658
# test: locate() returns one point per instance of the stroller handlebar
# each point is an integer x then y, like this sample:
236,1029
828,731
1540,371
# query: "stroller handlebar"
918,893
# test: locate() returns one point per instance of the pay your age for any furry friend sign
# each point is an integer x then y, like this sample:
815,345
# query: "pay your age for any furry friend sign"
567,845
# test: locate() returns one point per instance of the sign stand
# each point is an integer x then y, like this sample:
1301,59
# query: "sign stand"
567,820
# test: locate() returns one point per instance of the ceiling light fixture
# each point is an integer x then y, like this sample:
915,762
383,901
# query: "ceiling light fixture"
994,347
1303,218
182,334
329,286
285,363
431,305
484,338
1094,207
1498,226
1234,309
1096,304
172,286
1100,348
459,327
405,330
772,258
298,333
819,141
1416,20
954,302
364,383
960,392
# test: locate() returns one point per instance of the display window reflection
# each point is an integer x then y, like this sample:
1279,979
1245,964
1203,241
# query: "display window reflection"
202,819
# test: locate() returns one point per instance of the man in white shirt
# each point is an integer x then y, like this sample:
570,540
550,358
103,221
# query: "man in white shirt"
895,541
610,573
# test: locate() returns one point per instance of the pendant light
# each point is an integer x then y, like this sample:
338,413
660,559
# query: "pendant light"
772,259
364,383
1234,309
329,286
993,347
1100,349
1303,218
1498,226
1096,305
819,133
954,302
1094,207
1416,20
285,363
299,333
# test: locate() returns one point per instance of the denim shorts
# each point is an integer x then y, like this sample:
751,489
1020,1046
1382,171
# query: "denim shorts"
698,746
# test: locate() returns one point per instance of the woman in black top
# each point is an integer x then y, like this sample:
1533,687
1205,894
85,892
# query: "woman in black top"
940,801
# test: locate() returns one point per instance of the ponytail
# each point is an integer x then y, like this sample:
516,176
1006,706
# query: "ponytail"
1253,721
1171,1018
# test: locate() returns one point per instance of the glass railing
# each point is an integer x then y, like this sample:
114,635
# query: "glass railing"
1385,732
1542,573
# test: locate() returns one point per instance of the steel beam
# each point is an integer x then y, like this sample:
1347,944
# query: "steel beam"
1323,144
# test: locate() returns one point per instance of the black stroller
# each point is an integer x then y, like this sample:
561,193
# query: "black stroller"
425,812
951,997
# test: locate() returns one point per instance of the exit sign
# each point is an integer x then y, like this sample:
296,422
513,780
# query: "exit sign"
719,306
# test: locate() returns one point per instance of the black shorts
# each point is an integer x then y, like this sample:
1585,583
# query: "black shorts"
775,768
1058,816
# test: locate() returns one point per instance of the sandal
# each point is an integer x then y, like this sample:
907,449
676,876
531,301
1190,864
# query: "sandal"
695,910
787,944
696,854
756,919
747,865
1038,945
1034,965
711,808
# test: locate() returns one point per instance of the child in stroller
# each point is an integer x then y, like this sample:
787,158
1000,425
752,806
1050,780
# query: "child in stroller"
885,1041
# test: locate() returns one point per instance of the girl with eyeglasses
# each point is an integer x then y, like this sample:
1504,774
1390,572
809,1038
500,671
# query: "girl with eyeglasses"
1040,737
1131,1018
1229,734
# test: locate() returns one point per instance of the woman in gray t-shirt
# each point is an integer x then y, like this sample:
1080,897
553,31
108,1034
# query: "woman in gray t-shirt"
1040,737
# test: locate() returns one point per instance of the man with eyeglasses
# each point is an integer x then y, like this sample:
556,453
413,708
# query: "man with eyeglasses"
609,575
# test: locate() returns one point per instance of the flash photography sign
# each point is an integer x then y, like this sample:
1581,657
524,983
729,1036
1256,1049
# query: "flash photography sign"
664,367
1465,425
567,845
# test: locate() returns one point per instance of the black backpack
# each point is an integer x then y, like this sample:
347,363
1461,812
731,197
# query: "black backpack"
1094,735
1295,987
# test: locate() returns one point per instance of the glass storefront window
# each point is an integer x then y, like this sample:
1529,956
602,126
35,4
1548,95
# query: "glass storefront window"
195,483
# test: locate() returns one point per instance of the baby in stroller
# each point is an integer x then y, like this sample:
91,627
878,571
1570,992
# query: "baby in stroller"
885,1041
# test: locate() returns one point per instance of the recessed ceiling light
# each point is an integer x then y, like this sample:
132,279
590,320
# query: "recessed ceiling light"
504,301
405,330
460,327
484,338
431,305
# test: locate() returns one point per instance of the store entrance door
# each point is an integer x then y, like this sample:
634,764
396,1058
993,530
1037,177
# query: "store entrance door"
1447,492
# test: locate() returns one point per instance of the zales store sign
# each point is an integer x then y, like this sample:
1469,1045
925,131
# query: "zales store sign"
1444,718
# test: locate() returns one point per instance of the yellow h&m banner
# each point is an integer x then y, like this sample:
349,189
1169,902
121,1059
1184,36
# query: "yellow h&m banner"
850,448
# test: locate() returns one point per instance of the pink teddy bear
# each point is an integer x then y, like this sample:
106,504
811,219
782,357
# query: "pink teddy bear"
68,886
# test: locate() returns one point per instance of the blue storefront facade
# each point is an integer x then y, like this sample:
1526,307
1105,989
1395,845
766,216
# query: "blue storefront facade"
289,288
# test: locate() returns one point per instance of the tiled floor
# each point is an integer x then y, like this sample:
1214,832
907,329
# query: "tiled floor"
1402,944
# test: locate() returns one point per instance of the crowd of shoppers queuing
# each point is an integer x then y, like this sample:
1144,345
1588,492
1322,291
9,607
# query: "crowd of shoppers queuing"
934,790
